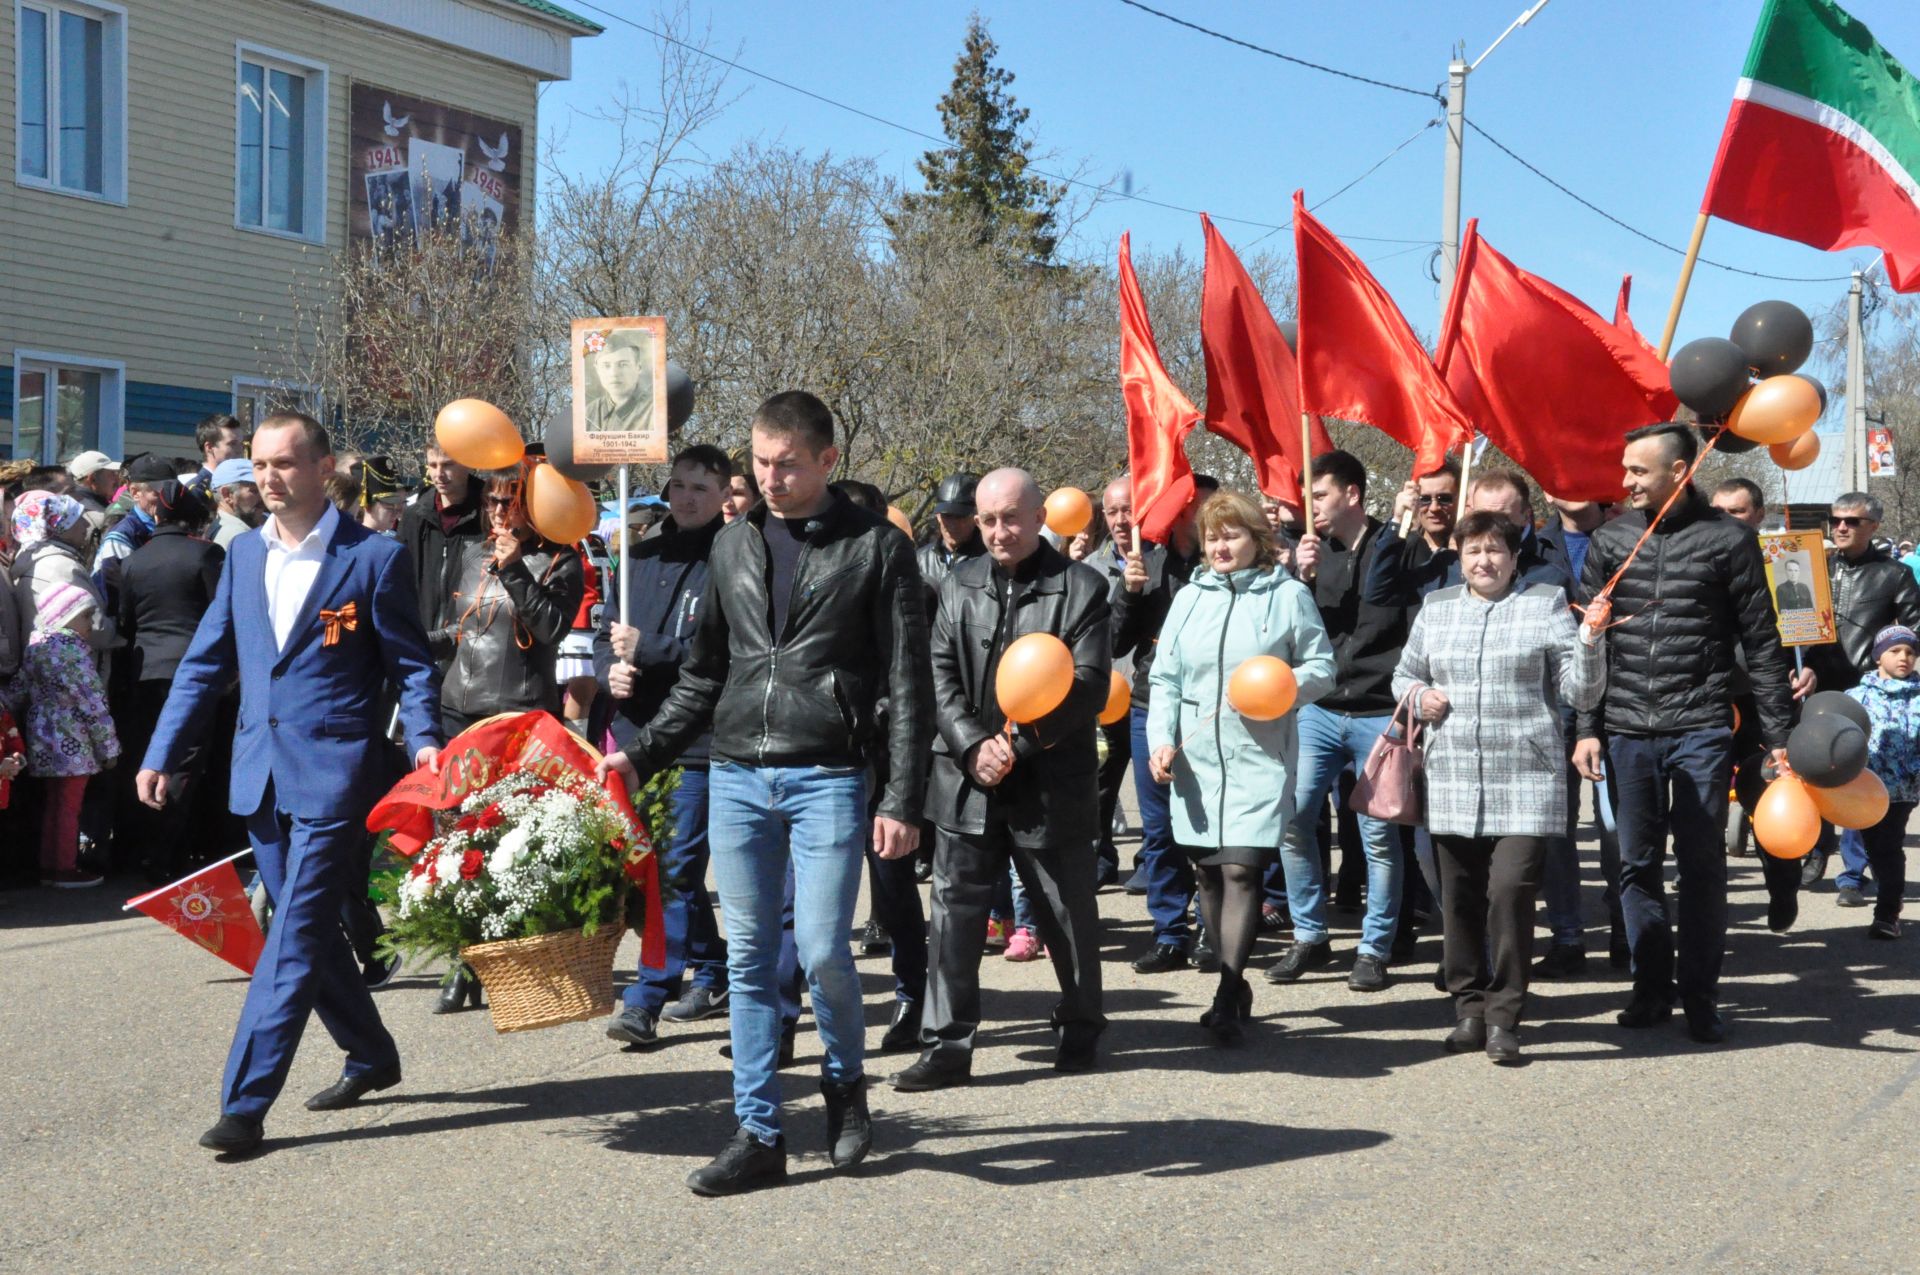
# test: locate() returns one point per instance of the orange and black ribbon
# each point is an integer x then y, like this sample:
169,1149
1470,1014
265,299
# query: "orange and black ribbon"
346,618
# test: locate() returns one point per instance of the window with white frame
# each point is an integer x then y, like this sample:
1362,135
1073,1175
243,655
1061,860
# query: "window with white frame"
280,176
255,399
71,92
65,404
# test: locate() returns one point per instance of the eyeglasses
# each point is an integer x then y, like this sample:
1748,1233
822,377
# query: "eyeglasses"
1847,520
1437,498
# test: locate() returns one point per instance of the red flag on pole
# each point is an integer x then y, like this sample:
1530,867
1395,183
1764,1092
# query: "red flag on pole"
1159,416
1359,358
1552,383
210,907
1623,319
1252,386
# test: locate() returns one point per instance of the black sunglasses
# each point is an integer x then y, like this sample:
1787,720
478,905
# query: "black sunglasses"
1846,520
1437,498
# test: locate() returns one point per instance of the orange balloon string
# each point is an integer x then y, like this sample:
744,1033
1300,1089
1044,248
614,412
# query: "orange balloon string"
1685,482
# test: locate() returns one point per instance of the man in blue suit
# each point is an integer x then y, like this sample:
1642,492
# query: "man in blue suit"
315,615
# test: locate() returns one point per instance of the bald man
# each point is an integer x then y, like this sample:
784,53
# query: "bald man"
1023,791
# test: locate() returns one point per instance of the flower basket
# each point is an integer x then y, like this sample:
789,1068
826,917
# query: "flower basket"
550,979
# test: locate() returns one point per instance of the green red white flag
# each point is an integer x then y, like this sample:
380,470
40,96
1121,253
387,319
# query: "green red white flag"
1822,144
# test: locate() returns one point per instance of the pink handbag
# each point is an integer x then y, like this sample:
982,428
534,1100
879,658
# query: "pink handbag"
1388,785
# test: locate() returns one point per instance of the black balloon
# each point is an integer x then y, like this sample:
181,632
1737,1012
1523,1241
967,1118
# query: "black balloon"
1776,335
559,445
1730,444
1710,375
1827,750
1819,389
679,396
1837,703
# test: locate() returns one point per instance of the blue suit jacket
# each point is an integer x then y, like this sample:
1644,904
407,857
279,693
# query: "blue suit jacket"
310,716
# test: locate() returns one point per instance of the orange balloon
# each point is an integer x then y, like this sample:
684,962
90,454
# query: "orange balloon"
1119,701
1736,719
1798,454
1777,410
559,508
1068,512
1861,802
1786,823
1035,674
478,435
1262,688
898,517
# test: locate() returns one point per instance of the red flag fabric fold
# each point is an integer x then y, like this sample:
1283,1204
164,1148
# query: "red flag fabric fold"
1623,319
1253,397
1159,416
211,908
1359,358
1553,384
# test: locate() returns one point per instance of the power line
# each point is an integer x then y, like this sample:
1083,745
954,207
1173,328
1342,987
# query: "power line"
1421,243
1284,57
911,131
1592,207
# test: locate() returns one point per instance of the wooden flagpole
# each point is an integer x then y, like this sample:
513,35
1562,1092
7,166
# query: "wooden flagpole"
1680,288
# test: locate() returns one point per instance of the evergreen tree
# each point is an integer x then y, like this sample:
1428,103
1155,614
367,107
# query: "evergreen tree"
983,176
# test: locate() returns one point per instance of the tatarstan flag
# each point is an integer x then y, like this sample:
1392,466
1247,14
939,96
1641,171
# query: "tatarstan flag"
1822,144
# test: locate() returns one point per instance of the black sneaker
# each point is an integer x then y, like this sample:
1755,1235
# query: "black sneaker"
1561,961
1887,929
1369,974
742,1165
696,1004
1298,959
849,1124
1163,959
633,1026
874,940
378,971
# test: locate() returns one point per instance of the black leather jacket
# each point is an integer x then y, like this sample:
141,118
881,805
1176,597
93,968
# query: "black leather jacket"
1869,593
1136,618
856,633
1696,594
666,583
936,561
1051,796
503,629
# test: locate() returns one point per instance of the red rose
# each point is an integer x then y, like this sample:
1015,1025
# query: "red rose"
419,865
470,864
490,818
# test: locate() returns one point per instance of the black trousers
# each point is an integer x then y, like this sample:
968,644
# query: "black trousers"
1059,884
1487,891
1888,859
1113,773
1749,755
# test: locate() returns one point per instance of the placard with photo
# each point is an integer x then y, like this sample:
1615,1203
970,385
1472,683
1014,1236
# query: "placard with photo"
619,391
1802,592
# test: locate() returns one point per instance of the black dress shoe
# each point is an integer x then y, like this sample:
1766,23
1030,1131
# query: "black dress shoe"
233,1135
786,1046
696,1004
1298,959
1163,959
1079,1051
1813,868
1503,1044
742,1165
1703,1020
1562,960
462,991
1369,974
1467,1036
1644,1011
904,1033
1205,958
849,1124
926,1075
874,940
348,1090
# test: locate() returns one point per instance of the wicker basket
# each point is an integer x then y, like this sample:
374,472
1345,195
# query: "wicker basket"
550,979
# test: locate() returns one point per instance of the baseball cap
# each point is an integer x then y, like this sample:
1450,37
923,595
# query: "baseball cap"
228,472
87,464
150,468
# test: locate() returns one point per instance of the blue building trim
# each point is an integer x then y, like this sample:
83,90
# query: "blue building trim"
6,393
171,409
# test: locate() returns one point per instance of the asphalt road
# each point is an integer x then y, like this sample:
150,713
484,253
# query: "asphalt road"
1340,1137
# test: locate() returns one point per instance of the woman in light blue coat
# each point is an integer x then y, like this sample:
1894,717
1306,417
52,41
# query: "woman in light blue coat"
1232,777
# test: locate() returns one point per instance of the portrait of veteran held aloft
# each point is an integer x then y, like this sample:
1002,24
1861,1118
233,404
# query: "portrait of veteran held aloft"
620,389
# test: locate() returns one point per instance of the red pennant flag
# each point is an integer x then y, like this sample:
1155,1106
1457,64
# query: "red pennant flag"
1552,383
1159,416
211,908
1359,358
1253,389
1623,319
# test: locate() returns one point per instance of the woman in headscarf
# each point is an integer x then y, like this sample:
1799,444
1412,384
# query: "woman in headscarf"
49,531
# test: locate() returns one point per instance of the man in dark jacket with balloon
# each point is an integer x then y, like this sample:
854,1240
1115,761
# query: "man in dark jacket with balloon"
1021,671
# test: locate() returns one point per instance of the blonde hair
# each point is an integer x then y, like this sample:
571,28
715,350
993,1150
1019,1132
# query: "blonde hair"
1227,508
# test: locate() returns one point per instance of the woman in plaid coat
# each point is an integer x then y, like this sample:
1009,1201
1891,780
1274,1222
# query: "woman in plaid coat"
1488,666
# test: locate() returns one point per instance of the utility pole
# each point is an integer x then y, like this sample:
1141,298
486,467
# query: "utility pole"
1856,467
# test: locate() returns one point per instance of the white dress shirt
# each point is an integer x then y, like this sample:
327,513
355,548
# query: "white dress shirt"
292,569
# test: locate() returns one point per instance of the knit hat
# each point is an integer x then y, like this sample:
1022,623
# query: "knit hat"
60,606
1891,636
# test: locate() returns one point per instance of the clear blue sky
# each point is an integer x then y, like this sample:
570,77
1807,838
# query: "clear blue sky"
1621,100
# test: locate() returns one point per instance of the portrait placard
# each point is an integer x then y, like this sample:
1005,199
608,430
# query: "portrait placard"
1802,593
619,391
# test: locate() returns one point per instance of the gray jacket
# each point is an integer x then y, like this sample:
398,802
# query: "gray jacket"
1496,765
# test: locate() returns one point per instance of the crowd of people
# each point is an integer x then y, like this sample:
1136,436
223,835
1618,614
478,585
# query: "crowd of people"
828,693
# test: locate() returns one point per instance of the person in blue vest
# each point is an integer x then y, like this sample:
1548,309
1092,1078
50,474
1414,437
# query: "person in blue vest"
315,615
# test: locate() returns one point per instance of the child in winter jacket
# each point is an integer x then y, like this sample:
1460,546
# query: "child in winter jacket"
1891,694
69,734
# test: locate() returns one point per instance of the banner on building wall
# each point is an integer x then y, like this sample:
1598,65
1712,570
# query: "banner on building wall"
418,166
1880,453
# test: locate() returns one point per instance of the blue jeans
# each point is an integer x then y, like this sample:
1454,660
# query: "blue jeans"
1329,743
763,819
1678,784
686,908
1168,870
1853,858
